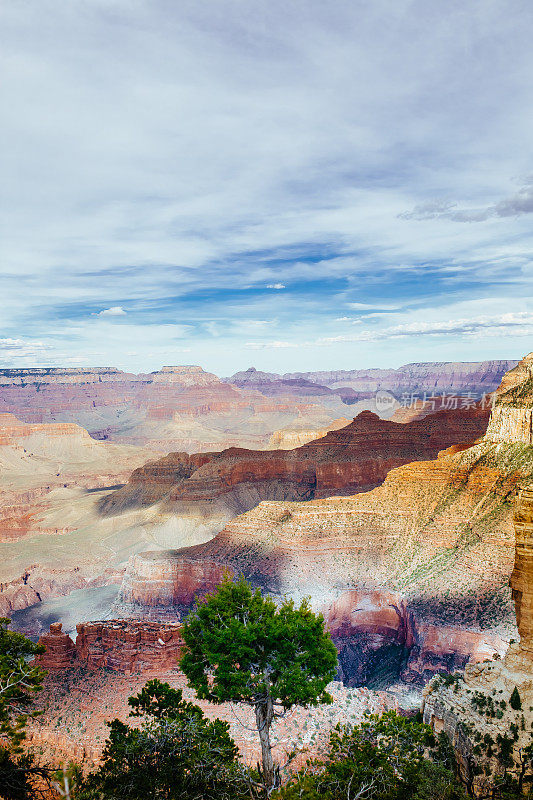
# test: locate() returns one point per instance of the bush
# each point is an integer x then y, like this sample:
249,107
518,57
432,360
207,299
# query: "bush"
175,754
385,758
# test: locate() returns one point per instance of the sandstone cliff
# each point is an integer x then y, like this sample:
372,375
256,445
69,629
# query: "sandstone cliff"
490,728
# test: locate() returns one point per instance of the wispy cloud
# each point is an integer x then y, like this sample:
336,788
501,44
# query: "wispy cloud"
513,206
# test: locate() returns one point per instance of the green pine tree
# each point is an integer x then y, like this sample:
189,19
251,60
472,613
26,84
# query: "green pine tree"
515,701
241,647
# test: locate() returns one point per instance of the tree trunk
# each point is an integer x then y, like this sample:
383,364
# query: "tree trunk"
264,714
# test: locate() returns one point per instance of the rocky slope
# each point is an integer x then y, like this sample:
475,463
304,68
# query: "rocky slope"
437,534
489,729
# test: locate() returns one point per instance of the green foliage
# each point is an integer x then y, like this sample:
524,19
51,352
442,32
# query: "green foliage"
505,754
241,646
385,758
18,682
175,754
515,701
22,777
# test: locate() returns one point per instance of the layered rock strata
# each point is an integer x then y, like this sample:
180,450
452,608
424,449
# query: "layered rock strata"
521,581
128,646
348,460
512,417
488,712
180,407
438,535
124,646
59,652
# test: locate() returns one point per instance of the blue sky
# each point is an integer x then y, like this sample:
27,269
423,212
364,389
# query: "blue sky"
301,185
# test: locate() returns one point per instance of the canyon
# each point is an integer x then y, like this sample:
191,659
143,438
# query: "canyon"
403,534
181,407
72,531
436,540
60,483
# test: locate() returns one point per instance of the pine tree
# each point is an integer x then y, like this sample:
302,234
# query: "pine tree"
515,700
242,648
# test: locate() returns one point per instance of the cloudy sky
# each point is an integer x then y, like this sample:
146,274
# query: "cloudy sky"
294,185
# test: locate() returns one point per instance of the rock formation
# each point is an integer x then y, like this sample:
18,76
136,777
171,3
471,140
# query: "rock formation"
348,460
512,418
522,576
488,712
124,646
437,535
128,646
59,651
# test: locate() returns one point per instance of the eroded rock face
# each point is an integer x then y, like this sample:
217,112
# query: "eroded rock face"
522,576
128,646
168,582
477,708
512,417
348,460
125,646
60,651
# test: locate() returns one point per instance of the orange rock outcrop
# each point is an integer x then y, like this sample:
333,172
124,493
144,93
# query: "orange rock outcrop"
128,646
60,651
125,646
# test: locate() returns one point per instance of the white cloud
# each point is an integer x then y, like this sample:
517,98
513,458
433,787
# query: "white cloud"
276,286
114,311
519,324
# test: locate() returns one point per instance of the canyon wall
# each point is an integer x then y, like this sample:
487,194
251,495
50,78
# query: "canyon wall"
487,713
347,460
512,417
437,535
476,377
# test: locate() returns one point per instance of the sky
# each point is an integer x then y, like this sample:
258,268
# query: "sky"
294,186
